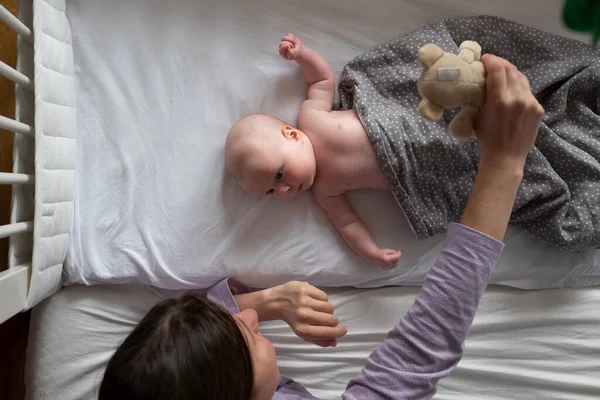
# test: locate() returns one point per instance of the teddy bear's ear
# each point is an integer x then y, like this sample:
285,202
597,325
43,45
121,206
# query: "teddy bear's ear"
470,51
429,110
429,54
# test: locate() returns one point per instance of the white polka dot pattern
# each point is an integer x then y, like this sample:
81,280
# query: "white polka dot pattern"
431,174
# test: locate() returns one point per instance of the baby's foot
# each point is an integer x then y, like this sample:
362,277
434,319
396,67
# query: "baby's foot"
386,258
290,47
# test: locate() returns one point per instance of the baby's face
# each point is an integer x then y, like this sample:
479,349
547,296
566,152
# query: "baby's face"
282,166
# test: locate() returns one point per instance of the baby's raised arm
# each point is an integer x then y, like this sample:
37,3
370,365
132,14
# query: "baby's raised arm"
318,74
355,233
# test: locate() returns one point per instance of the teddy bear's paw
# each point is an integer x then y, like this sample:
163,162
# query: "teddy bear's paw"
429,110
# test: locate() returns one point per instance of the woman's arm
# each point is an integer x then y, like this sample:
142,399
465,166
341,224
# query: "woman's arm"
257,301
303,307
506,129
426,345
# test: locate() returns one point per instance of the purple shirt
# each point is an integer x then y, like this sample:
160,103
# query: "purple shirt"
426,345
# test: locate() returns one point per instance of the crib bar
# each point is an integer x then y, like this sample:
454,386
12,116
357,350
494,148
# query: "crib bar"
15,126
8,178
16,228
15,76
14,283
9,19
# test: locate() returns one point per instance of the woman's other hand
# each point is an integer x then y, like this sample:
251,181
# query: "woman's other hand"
307,311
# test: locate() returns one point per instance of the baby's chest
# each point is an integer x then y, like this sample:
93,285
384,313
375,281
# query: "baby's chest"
333,176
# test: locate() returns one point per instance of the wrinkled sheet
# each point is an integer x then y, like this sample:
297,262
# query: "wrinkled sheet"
158,86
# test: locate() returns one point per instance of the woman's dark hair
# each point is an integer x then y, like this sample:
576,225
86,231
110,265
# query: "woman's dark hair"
185,348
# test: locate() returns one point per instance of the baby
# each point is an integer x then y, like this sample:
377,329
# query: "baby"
267,156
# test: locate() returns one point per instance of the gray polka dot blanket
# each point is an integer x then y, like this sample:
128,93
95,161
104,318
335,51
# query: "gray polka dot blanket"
431,173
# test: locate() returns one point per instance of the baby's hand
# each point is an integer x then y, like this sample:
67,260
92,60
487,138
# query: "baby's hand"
386,258
290,47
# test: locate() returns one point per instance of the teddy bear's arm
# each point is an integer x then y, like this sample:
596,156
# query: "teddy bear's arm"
429,110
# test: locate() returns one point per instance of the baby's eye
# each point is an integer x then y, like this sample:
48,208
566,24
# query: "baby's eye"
279,174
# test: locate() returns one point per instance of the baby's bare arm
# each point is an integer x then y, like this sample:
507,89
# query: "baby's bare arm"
318,74
320,79
355,233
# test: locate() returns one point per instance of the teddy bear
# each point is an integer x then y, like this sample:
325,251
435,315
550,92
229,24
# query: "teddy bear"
451,81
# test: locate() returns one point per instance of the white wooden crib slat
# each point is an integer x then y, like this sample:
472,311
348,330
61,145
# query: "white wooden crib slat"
9,19
15,76
16,228
7,178
15,126
14,283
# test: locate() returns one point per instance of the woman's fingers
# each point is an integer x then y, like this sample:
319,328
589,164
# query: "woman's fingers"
517,83
504,79
496,75
323,319
322,306
508,122
313,333
316,293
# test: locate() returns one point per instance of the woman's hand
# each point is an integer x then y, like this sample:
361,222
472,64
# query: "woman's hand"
508,123
307,311
506,127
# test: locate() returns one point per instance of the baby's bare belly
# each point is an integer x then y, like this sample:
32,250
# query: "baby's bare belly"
356,167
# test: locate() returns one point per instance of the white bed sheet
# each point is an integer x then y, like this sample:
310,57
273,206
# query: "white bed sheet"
158,86
523,345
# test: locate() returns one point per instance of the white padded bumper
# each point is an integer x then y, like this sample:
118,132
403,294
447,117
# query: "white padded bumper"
54,149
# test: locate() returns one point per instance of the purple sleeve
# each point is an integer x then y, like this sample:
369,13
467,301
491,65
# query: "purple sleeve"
426,345
222,294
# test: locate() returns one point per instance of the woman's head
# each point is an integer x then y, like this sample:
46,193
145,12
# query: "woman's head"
190,348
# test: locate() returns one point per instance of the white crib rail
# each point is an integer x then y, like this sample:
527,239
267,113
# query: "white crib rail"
16,25
15,126
14,282
16,76
16,179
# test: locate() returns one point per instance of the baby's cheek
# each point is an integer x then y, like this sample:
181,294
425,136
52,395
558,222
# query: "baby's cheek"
293,172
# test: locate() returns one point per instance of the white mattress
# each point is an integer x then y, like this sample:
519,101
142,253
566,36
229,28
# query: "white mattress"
523,345
158,86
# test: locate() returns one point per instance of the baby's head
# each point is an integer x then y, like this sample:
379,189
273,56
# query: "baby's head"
267,156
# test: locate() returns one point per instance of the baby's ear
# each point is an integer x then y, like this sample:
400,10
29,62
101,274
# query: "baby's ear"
429,54
290,132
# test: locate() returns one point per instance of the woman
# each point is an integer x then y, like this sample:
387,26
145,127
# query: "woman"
196,348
